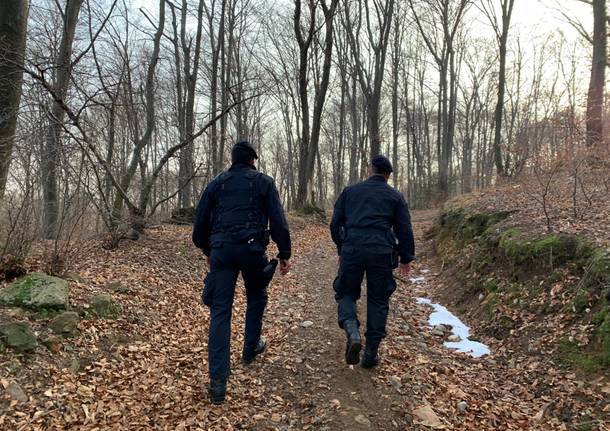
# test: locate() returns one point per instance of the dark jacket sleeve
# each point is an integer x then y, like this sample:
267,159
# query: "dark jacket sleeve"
338,222
203,220
404,232
278,225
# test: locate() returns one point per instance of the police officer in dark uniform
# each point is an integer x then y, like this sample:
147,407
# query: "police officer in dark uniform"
231,228
372,229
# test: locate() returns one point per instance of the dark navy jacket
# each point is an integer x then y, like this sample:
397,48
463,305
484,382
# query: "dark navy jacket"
268,200
373,214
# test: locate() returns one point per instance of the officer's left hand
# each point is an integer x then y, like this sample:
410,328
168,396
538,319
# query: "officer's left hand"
284,266
404,269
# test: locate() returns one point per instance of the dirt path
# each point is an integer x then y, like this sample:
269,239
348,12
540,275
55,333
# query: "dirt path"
341,396
148,368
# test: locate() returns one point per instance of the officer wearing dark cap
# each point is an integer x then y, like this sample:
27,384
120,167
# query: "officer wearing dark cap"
372,229
233,215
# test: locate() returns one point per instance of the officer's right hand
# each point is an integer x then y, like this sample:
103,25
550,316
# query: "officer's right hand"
404,269
284,266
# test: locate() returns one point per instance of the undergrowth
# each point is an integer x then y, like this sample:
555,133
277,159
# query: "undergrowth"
510,264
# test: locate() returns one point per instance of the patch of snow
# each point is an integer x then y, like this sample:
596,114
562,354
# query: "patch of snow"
418,280
442,316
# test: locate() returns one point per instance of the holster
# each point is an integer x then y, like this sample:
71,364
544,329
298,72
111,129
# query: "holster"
269,271
395,251
266,238
395,258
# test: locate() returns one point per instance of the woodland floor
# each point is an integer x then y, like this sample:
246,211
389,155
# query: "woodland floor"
148,368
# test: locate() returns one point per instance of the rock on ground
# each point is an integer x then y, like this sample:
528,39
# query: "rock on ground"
427,417
19,336
16,392
65,324
37,291
362,420
104,306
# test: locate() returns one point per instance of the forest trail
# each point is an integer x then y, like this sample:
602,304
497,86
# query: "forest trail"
148,368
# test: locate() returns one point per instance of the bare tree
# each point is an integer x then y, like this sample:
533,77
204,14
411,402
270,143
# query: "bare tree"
13,29
377,16
61,81
595,100
143,140
501,26
187,53
438,24
310,136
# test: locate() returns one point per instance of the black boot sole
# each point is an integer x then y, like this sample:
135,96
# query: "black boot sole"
352,352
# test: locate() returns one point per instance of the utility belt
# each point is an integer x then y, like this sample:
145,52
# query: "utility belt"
241,236
387,235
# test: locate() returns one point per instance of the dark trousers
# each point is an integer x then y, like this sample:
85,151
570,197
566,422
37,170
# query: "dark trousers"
227,261
377,265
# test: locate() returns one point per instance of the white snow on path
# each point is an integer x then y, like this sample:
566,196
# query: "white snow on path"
442,316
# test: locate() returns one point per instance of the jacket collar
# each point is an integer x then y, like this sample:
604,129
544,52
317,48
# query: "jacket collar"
240,165
377,177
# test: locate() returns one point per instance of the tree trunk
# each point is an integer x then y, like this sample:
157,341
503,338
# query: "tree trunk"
310,137
355,135
186,168
144,141
13,29
507,10
50,156
595,100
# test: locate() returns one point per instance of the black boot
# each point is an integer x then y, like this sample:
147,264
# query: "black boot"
352,350
217,390
370,358
248,358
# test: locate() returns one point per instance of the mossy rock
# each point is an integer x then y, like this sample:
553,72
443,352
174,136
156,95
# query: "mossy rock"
65,324
19,336
552,249
36,291
104,306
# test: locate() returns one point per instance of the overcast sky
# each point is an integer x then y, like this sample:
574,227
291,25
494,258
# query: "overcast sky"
543,16
535,17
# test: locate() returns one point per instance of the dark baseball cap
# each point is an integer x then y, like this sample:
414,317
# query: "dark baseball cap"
382,164
244,147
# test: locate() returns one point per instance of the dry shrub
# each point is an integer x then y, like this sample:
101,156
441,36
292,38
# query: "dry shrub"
18,230
570,187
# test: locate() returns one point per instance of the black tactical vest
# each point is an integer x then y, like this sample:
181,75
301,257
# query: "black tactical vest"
239,205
